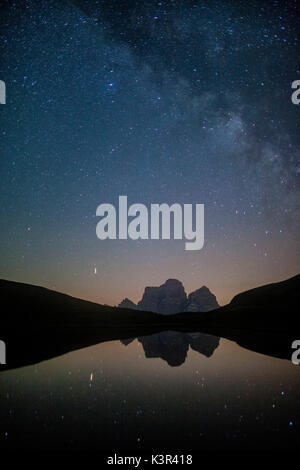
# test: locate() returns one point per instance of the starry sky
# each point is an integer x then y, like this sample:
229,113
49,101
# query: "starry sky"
163,101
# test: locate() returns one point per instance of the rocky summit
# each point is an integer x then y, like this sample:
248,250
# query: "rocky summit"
171,298
126,303
201,300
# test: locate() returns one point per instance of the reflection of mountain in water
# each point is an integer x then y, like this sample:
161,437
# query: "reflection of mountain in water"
264,320
172,346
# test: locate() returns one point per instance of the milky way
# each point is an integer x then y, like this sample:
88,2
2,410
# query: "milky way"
163,101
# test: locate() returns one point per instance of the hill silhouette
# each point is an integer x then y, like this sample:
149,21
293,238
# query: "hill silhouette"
38,323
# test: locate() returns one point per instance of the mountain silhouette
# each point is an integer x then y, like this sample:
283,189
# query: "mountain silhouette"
270,307
38,323
170,298
126,303
173,346
201,300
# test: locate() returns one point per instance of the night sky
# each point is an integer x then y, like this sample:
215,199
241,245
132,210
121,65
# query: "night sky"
162,101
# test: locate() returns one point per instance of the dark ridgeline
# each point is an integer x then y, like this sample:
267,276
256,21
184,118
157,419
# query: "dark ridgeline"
38,323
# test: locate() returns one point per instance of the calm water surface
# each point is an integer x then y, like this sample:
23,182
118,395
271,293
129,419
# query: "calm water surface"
197,392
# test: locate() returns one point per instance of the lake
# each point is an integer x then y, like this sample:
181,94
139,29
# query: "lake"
192,392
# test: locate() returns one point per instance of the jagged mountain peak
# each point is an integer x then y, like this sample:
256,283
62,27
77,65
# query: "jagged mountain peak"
170,297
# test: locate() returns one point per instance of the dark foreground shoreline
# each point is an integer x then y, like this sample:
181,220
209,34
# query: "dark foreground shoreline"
39,324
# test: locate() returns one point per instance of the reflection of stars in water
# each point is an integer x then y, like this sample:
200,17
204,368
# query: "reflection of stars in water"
234,411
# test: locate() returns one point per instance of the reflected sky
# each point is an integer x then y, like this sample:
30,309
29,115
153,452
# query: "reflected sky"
111,396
